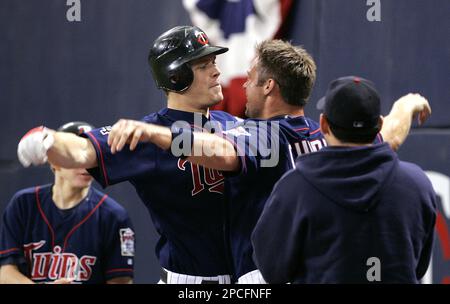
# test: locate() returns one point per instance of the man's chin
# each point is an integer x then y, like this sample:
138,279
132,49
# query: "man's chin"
216,98
84,182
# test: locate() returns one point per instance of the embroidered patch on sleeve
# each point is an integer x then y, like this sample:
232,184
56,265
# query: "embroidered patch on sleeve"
127,242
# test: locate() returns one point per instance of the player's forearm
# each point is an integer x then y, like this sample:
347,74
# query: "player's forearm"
214,152
397,124
207,149
160,136
9,274
71,151
396,127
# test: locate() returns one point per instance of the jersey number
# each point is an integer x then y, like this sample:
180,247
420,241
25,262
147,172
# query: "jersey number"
211,179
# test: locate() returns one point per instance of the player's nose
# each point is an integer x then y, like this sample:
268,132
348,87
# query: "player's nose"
216,72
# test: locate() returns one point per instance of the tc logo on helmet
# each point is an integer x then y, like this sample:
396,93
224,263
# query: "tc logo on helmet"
202,38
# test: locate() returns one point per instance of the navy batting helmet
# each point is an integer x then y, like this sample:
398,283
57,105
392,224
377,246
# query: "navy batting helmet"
173,50
76,127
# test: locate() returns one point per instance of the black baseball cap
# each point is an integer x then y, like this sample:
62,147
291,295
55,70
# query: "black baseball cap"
352,103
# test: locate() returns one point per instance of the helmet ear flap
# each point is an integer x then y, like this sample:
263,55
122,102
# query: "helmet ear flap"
181,78
174,79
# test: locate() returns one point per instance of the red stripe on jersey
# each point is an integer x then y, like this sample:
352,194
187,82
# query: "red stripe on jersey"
301,129
101,158
315,131
82,221
199,128
38,202
9,250
120,270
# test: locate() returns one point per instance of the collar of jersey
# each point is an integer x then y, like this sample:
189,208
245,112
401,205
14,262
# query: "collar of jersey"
77,206
176,115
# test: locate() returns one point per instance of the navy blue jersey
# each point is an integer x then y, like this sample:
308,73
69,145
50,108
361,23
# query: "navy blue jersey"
247,192
92,242
185,201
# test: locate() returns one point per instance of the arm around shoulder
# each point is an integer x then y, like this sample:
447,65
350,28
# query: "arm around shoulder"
214,152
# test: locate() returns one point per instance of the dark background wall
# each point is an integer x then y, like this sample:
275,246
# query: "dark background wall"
53,71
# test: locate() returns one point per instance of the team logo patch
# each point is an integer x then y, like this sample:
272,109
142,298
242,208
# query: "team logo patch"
127,242
202,38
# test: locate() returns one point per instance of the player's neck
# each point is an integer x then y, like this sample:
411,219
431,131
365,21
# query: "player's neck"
65,196
333,141
279,108
178,103
191,110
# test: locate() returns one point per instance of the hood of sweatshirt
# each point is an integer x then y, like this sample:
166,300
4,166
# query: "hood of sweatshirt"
352,177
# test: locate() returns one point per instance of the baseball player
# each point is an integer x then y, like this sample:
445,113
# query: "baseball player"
343,215
66,232
279,83
185,201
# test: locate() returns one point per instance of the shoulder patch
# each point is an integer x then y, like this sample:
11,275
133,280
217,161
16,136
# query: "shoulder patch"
126,242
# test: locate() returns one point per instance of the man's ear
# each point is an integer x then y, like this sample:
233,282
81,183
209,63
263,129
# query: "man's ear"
324,126
269,85
380,123
54,168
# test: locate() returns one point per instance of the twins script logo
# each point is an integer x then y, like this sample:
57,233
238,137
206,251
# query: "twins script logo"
56,265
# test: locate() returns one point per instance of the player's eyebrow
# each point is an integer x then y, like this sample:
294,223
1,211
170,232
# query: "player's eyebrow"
203,60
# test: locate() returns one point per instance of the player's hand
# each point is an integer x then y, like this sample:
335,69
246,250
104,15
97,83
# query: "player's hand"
33,146
417,105
128,132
